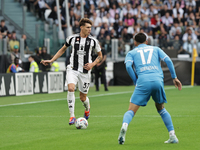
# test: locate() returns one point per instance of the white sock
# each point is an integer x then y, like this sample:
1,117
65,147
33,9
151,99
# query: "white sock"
86,104
125,126
71,103
171,133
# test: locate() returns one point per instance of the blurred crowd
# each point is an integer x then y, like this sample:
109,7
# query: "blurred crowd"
170,24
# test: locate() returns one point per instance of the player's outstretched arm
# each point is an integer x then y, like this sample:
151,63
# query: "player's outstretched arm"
56,56
177,83
89,66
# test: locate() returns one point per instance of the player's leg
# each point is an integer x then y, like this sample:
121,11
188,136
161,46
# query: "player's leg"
126,120
83,85
168,123
72,79
158,95
86,103
96,79
103,73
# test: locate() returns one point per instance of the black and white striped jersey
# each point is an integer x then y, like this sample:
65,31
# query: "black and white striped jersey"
81,51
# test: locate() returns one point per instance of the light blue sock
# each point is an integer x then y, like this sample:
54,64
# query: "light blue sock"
128,116
166,119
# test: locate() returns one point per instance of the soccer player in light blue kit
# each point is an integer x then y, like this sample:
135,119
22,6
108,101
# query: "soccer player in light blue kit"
146,61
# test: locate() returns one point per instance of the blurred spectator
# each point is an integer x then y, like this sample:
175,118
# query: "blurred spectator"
167,20
102,12
128,21
119,27
72,17
142,20
190,33
96,23
158,4
177,46
3,28
42,6
33,65
45,56
127,39
155,24
191,3
100,71
14,67
112,34
103,3
28,3
101,36
77,11
26,48
174,29
13,41
151,11
164,10
15,54
38,57
191,19
146,3
163,38
109,20
170,4
121,47
128,9
107,45
147,29
55,67
187,47
177,10
76,28
114,10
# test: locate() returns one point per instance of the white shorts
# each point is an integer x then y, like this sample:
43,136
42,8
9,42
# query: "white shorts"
83,79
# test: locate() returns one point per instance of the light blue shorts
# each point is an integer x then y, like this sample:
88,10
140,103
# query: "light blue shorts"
144,90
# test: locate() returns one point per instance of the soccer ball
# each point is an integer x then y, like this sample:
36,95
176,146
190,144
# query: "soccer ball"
81,123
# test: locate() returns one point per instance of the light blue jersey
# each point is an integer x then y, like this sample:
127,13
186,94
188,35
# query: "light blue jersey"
146,60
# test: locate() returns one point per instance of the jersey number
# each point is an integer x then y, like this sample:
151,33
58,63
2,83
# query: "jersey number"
149,56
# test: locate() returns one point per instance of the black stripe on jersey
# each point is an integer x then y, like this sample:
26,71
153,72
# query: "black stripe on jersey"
86,56
94,44
76,48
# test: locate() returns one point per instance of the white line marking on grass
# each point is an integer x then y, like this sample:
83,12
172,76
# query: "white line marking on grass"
111,116
107,94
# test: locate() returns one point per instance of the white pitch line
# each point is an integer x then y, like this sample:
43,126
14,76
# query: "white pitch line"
107,94
110,116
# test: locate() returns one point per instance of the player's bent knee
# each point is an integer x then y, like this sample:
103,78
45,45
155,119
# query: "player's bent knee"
159,106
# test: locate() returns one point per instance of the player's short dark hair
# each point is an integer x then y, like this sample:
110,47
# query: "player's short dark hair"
83,21
140,37
32,56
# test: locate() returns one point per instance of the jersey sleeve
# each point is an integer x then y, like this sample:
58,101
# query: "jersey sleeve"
68,41
162,54
128,58
97,46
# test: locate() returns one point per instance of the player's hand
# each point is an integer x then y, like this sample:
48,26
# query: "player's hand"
45,62
88,66
177,83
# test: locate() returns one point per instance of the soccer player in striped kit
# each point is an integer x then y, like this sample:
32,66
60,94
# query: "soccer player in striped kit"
78,71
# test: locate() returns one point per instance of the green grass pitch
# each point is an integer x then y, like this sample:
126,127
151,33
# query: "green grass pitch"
40,121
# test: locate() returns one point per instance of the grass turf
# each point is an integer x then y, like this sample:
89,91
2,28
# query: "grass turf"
40,121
